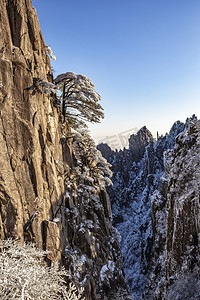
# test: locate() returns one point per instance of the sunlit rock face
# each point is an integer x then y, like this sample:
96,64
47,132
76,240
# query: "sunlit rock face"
29,134
43,199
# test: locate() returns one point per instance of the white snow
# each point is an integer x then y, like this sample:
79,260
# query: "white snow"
107,270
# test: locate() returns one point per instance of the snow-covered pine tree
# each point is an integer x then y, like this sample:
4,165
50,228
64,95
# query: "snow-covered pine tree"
79,98
98,166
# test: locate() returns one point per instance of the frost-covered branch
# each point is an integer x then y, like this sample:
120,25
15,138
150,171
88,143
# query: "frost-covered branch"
44,86
78,94
24,275
50,52
98,166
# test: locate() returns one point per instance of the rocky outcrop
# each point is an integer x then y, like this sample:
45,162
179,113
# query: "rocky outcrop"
41,196
183,212
138,142
174,271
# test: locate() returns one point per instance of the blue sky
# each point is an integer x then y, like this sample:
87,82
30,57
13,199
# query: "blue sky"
142,55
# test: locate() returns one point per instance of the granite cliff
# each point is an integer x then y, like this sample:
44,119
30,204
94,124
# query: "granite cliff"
43,196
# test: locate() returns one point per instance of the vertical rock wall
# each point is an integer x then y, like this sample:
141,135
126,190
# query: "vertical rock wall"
174,272
29,127
183,206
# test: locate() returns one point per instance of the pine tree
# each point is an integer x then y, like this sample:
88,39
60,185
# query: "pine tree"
79,99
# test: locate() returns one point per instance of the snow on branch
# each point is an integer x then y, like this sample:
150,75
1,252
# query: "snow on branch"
24,275
98,167
50,52
79,97
44,86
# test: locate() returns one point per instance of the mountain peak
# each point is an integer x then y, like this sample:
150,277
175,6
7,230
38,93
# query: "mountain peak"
138,142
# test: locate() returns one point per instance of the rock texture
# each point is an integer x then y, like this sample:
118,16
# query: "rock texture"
40,197
174,272
28,131
183,211
138,142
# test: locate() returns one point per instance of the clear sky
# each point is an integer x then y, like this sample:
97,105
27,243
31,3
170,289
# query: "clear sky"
142,55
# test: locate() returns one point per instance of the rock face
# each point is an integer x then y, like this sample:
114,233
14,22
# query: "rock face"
40,188
174,272
29,134
183,215
138,142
